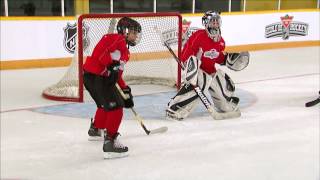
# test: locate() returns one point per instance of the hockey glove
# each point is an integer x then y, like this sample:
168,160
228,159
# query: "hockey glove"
128,102
237,61
113,73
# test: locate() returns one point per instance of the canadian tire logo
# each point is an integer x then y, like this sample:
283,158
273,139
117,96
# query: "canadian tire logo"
187,31
286,28
185,26
70,35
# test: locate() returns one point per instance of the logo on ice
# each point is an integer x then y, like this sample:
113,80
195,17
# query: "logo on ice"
70,34
286,28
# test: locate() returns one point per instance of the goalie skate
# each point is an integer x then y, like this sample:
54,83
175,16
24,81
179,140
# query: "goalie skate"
226,115
235,113
172,116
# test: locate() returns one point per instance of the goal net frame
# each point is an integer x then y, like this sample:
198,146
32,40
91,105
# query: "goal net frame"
80,46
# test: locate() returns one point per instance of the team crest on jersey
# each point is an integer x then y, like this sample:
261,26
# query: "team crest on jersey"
286,28
70,35
212,54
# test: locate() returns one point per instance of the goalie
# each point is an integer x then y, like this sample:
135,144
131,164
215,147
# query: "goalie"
201,52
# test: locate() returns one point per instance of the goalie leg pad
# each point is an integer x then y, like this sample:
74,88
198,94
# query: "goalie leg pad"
186,99
204,80
222,92
182,104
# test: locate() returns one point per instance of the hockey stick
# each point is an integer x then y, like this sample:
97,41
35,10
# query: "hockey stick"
216,115
314,102
139,119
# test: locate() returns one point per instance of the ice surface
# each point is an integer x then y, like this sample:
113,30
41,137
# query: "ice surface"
276,138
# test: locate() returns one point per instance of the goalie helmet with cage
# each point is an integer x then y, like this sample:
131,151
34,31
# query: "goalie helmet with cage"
211,20
125,25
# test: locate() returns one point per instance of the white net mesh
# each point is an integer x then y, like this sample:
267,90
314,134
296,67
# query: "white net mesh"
68,86
150,62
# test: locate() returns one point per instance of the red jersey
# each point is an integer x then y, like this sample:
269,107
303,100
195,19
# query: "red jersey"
204,48
101,58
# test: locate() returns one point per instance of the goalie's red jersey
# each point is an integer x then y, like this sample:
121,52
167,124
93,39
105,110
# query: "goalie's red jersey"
101,57
203,47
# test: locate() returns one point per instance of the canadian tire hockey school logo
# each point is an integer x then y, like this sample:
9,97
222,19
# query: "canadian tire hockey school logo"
170,36
70,35
286,28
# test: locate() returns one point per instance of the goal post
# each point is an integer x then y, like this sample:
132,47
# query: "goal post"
150,62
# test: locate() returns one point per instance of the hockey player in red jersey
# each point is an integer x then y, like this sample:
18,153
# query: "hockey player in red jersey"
201,52
102,70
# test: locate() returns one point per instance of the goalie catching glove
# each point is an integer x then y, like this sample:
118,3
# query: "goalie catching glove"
128,102
237,61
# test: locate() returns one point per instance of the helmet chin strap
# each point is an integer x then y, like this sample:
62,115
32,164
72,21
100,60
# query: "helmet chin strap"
129,43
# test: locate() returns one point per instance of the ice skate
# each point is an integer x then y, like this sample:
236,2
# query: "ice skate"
112,148
95,134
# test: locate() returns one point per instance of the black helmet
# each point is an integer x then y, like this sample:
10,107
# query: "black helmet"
125,24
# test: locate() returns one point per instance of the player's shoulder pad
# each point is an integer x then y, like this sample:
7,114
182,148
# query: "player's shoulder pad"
198,34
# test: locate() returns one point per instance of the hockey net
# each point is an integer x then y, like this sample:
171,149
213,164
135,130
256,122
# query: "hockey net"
150,62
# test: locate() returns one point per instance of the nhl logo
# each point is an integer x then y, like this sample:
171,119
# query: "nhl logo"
70,35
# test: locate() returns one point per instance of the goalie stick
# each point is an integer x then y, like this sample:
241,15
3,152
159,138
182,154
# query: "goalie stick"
216,115
139,119
314,102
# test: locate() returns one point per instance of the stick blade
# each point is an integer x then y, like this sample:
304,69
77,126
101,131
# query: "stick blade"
159,130
312,103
